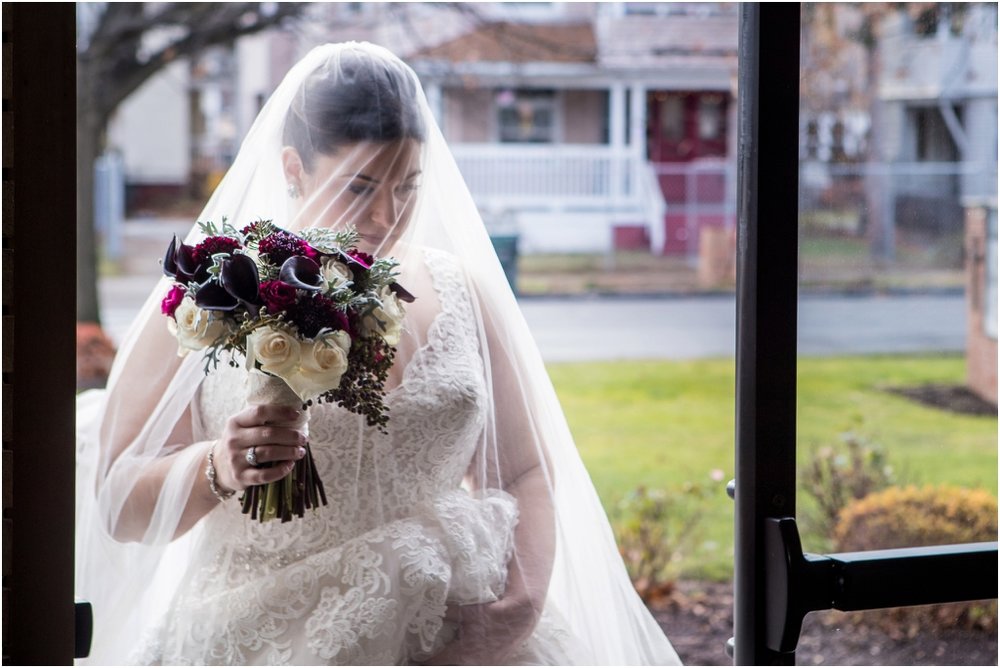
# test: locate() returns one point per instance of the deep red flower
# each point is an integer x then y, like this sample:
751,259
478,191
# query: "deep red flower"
277,296
362,257
173,299
214,245
316,312
281,245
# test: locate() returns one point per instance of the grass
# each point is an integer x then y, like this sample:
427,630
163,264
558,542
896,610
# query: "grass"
666,423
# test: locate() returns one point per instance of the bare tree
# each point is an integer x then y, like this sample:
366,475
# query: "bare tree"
112,65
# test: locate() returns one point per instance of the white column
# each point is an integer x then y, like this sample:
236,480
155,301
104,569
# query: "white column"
980,120
637,134
616,128
435,102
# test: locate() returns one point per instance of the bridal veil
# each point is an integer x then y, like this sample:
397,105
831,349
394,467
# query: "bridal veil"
564,549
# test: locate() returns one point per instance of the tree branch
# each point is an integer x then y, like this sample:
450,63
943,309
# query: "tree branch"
211,24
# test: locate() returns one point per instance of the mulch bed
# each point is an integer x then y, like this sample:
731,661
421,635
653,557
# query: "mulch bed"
698,619
953,398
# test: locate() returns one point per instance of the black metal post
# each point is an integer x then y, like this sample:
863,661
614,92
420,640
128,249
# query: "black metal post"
39,214
767,261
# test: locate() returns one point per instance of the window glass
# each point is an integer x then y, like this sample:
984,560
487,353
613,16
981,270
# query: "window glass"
896,421
895,138
526,115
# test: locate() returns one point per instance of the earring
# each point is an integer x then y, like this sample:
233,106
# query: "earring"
293,191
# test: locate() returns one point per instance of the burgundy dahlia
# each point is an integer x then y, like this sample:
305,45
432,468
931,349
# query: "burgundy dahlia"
316,312
281,245
214,245
277,296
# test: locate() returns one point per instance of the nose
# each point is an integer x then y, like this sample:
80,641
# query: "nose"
385,208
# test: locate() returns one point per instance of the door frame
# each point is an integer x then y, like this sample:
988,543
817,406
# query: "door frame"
775,582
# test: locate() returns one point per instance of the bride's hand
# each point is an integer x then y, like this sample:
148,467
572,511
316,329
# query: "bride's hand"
486,633
258,427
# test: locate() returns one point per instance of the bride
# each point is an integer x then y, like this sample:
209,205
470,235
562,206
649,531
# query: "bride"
466,533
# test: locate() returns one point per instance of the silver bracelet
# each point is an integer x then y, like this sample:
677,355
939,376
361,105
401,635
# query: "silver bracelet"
218,491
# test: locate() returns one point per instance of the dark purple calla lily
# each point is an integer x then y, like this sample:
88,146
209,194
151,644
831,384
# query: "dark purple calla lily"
240,278
180,264
302,273
214,297
170,259
402,293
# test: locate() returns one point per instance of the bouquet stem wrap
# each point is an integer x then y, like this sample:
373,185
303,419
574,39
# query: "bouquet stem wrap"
300,489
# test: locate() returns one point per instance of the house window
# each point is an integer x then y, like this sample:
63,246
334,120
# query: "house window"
990,293
526,116
934,142
672,118
710,117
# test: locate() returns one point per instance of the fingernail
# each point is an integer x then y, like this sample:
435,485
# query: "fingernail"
301,452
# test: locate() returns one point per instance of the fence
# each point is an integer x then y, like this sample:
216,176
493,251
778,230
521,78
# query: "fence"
895,214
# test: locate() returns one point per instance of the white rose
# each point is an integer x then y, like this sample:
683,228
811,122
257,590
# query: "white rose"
336,273
387,319
194,328
323,363
276,351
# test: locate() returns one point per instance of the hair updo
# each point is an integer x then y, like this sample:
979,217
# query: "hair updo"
354,96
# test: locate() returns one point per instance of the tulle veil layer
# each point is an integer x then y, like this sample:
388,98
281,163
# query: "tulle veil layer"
573,566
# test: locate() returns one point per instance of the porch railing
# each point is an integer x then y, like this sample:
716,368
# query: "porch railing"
548,175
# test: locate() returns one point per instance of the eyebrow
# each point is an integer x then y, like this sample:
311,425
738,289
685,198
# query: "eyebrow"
365,177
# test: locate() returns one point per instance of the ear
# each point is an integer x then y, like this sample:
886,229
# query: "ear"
291,163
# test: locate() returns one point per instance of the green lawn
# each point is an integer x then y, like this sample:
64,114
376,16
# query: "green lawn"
664,424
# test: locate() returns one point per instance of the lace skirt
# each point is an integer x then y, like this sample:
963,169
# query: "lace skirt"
376,599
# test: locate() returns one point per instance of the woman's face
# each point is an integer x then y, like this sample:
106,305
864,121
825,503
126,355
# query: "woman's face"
371,186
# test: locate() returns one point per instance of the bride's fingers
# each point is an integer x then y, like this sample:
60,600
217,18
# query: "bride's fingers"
250,436
276,453
264,414
263,476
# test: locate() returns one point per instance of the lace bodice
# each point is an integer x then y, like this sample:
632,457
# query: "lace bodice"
436,415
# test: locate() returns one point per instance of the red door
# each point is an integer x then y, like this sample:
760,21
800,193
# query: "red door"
685,128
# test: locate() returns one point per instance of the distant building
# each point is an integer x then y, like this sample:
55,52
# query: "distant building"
938,91
587,127
579,126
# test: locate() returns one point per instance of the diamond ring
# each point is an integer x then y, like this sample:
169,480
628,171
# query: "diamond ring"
252,456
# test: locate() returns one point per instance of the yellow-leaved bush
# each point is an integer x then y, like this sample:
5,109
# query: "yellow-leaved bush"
916,517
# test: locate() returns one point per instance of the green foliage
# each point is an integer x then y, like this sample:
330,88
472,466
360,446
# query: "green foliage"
656,529
835,475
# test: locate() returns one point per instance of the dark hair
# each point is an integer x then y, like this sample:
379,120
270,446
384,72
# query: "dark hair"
354,97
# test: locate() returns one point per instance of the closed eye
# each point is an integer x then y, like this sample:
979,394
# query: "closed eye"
360,189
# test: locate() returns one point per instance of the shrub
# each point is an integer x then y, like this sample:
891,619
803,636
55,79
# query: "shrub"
95,353
914,517
837,475
655,528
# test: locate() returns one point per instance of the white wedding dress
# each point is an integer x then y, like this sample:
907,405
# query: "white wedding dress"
366,579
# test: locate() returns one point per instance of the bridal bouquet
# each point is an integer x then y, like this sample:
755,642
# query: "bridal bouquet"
315,319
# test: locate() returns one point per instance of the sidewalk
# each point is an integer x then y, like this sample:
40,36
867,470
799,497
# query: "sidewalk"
608,327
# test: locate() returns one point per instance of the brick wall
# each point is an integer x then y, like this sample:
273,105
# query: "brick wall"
981,349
